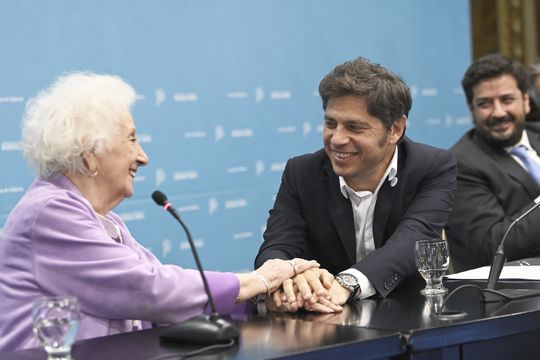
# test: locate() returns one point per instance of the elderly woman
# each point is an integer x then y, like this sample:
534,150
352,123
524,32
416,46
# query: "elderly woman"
62,238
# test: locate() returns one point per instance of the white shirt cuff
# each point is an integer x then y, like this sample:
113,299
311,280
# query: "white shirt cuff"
366,288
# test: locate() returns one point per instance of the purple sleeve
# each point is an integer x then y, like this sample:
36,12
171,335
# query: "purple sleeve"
73,255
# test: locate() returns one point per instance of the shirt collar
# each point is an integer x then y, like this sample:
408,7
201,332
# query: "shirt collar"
523,141
390,174
111,228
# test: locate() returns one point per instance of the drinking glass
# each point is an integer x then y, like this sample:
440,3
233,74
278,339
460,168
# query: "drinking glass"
55,322
432,259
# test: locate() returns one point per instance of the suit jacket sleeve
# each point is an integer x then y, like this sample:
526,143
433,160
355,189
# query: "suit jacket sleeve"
286,230
425,207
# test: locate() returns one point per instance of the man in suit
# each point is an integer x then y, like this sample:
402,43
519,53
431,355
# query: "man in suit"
359,204
494,183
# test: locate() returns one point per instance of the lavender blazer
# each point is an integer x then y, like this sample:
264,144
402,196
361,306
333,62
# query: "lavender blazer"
53,243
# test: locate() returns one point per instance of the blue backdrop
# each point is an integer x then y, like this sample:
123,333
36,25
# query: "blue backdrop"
227,92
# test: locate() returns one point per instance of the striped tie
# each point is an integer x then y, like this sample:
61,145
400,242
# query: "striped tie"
532,167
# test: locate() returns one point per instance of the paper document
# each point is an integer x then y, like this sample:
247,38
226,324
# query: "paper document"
508,273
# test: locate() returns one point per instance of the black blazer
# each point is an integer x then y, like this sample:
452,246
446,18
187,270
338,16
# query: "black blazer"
493,190
311,218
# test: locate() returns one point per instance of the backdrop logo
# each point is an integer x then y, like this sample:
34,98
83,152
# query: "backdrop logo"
132,216
219,133
237,169
186,175
195,134
188,208
243,235
184,245
259,94
236,203
306,128
139,178
186,97
213,205
166,247
161,176
429,92
145,138
160,96
279,166
237,95
239,133
259,167
12,146
286,129
280,95
11,99
11,190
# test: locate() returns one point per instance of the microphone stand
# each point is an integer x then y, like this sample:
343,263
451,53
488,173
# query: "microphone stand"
492,294
200,329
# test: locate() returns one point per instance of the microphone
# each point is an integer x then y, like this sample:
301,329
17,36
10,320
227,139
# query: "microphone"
498,263
200,329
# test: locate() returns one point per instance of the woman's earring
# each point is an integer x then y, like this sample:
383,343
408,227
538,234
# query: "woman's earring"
94,172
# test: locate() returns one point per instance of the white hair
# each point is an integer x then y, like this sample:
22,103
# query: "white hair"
80,112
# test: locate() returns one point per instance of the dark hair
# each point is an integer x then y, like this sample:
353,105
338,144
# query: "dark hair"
492,66
386,94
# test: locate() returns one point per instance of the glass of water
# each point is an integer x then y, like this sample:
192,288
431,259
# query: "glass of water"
432,259
55,322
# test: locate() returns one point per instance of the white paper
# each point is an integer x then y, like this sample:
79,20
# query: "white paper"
508,273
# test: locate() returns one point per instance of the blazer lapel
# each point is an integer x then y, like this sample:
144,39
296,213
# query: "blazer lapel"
385,199
340,211
534,139
509,165
382,211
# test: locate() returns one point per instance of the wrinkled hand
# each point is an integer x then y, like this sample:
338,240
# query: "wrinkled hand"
276,271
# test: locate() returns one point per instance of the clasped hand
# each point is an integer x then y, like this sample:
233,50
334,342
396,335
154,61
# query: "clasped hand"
314,290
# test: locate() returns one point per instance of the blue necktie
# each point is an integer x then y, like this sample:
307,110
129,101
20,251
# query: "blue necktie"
532,167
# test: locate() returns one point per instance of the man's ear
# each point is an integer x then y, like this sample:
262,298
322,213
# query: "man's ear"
397,129
527,102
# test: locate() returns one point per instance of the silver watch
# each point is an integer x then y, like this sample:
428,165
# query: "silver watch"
349,282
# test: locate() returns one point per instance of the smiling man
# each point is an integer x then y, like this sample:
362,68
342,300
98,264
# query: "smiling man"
359,204
496,160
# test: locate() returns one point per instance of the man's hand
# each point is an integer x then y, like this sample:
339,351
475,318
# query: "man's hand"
316,304
311,282
338,294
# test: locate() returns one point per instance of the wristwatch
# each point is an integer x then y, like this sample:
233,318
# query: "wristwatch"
350,282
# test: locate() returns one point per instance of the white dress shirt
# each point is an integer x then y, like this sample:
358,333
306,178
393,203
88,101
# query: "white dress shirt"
363,206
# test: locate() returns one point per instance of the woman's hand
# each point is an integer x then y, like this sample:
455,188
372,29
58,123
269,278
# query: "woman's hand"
276,271
270,276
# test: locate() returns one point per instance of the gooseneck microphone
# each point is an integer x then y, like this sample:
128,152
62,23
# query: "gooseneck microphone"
200,329
500,258
498,263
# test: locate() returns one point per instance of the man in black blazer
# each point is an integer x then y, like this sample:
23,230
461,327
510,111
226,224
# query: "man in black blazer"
358,205
494,186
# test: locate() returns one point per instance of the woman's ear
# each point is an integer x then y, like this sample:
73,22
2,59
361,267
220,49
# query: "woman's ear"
90,161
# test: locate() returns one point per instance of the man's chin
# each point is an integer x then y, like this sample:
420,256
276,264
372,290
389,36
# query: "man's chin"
505,141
